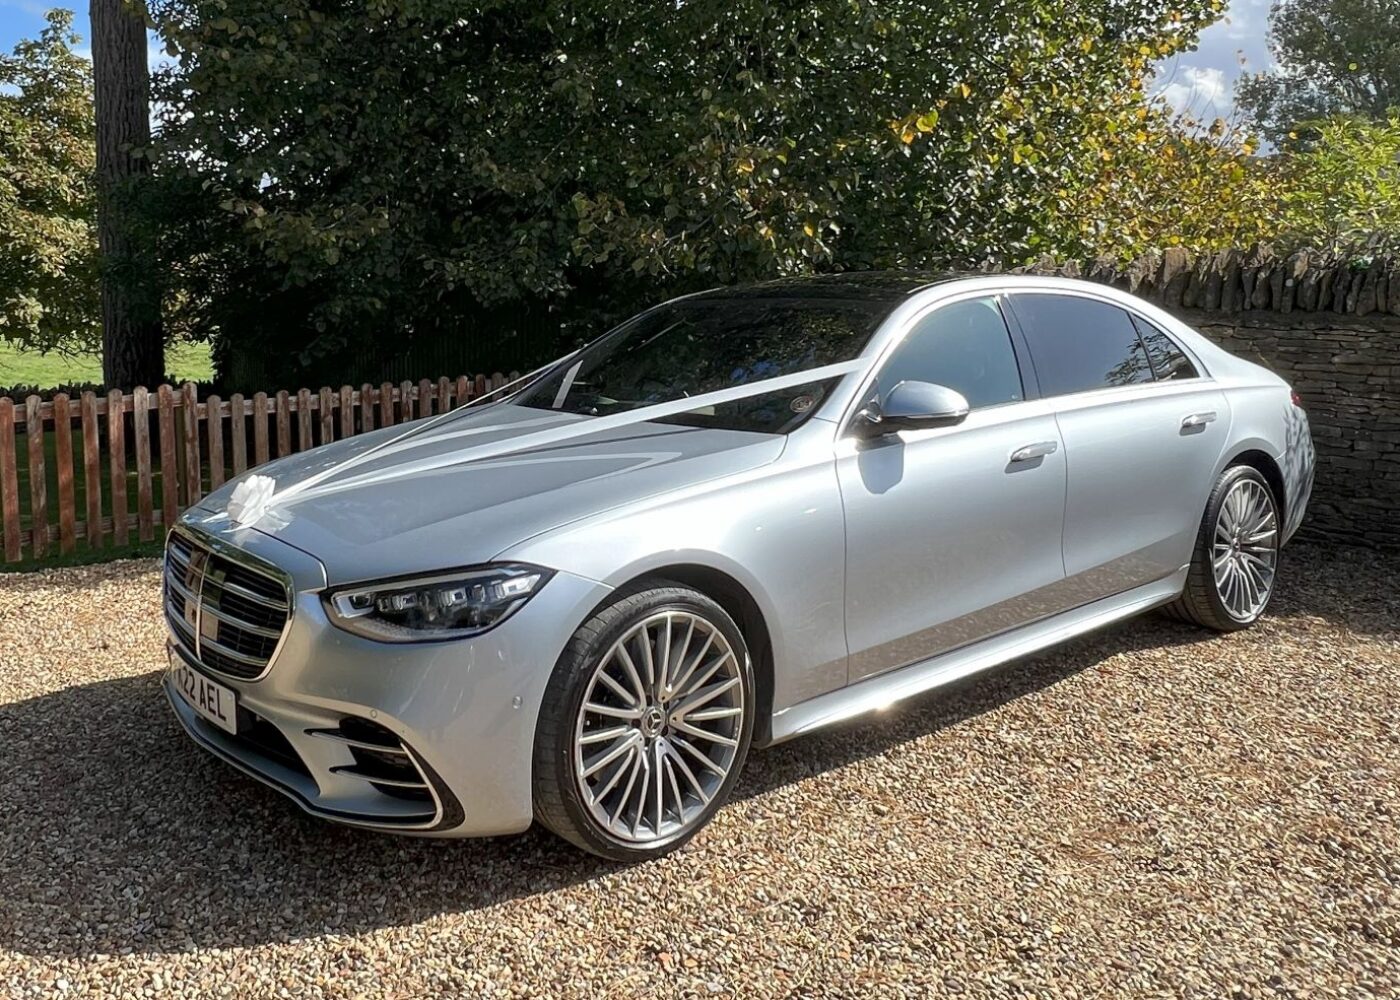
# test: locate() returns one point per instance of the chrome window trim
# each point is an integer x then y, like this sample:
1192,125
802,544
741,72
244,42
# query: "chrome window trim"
199,539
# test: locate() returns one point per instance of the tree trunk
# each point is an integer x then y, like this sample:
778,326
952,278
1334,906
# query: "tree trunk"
133,347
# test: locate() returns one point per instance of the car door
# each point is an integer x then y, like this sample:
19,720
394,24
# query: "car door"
1142,430
952,533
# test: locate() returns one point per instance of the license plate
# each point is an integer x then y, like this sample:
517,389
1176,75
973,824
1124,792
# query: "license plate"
210,701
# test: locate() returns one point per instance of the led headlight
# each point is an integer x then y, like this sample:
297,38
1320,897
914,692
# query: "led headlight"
444,606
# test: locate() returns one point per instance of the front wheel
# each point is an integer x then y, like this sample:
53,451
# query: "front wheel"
1235,561
645,724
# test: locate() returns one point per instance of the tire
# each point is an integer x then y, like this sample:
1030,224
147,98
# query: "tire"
601,702
1240,527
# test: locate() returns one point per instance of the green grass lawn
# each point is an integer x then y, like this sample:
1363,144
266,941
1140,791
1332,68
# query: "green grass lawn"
187,362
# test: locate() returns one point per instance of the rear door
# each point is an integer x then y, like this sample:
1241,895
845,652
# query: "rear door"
1142,429
952,533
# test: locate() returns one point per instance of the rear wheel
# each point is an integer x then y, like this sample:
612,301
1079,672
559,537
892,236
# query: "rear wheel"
645,724
1235,561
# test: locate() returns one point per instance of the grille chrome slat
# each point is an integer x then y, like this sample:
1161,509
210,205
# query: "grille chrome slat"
174,583
205,643
242,626
237,624
254,596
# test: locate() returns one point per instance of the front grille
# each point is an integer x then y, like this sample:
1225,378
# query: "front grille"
226,615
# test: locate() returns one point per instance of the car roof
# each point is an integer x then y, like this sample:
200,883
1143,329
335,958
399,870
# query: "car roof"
889,287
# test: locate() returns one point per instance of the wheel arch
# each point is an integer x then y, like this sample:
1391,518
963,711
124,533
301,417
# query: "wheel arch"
741,605
1267,466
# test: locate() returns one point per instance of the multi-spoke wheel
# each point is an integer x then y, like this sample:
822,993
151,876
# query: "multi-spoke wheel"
645,724
1245,549
1236,556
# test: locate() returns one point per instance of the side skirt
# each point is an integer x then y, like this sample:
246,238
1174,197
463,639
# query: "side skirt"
879,692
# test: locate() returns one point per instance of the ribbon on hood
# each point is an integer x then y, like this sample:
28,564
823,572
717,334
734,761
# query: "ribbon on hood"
254,498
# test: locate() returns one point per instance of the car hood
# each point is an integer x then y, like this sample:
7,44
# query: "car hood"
429,501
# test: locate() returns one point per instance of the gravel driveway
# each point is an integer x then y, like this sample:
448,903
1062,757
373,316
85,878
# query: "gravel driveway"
1147,811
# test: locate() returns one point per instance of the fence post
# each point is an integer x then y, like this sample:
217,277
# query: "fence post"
141,439
386,405
463,389
284,424
259,428
169,459
92,469
9,483
327,415
214,424
303,419
405,401
366,408
63,458
347,411
194,475
38,480
238,432
116,460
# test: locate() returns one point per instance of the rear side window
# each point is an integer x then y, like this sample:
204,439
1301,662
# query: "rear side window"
1080,344
1168,360
964,346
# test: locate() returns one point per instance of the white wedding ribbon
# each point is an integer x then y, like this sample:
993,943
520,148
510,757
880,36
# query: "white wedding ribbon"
312,486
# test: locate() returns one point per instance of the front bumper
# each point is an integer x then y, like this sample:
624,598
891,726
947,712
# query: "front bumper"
463,712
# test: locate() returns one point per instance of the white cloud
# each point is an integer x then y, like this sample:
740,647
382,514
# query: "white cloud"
1200,90
1202,81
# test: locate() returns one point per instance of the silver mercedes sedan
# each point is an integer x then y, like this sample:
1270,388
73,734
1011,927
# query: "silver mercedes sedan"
736,518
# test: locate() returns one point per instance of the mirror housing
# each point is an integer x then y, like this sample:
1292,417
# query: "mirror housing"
913,406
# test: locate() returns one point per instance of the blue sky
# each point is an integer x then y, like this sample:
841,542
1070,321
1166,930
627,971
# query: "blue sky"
1200,81
1203,81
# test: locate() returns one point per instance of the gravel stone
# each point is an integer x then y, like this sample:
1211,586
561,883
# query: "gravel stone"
1150,811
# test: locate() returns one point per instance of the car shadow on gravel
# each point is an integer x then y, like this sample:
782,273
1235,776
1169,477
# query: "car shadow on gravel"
118,834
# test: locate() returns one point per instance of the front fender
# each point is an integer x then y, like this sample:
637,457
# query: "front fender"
778,531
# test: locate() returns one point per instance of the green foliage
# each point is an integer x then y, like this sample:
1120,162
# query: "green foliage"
1174,181
351,180
48,242
1343,187
1334,57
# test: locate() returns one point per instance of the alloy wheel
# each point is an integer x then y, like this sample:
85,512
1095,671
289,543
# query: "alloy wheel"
1245,549
659,727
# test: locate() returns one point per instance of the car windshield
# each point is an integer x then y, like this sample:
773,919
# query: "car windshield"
694,346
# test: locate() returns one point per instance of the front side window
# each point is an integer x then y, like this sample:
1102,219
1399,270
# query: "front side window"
694,346
965,346
1080,344
1168,360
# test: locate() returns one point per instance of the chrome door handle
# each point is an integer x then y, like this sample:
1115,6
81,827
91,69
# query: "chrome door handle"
1031,451
1198,419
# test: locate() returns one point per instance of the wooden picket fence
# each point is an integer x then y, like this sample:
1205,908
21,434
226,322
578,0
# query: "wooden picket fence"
155,453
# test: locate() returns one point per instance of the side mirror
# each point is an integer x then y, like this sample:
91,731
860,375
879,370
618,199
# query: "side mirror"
914,406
